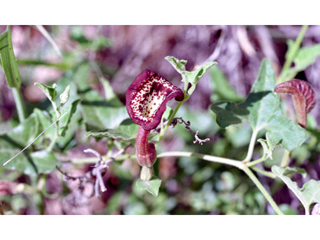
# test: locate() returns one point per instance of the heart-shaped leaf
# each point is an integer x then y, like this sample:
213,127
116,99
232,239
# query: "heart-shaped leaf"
262,110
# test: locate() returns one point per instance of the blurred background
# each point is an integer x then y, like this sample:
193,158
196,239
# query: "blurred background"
119,53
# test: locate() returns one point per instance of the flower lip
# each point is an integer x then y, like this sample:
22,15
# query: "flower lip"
147,96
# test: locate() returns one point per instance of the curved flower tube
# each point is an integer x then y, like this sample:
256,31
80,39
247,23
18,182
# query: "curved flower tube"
303,97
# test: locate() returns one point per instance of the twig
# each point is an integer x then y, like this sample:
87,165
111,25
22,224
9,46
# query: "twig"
180,120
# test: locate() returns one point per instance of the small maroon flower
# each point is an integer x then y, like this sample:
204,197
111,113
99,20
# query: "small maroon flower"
146,100
302,95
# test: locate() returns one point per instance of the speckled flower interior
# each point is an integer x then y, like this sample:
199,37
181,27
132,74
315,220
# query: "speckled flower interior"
147,96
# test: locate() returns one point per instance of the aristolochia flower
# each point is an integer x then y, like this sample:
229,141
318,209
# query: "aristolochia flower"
146,100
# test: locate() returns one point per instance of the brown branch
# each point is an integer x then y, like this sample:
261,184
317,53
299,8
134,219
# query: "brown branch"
187,126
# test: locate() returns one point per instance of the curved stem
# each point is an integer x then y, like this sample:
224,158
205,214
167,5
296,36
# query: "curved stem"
239,164
266,173
255,162
251,146
262,189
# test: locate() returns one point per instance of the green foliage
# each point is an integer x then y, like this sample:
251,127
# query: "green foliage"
31,163
189,78
221,88
308,194
151,186
126,131
100,114
302,58
9,62
262,110
188,185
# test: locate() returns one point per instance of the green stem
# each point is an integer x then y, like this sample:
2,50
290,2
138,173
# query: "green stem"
251,146
262,190
231,162
266,173
255,162
307,211
170,120
286,158
19,104
293,52
235,163
210,158
63,66
186,97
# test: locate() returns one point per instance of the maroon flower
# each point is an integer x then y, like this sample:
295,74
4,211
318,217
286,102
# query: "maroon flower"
303,97
146,100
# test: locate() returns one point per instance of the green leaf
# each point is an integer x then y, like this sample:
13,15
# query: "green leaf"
45,162
65,121
64,97
26,132
303,58
179,65
100,114
45,121
151,186
189,77
19,137
262,110
110,96
221,87
194,76
127,131
308,194
267,146
50,92
306,56
9,61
